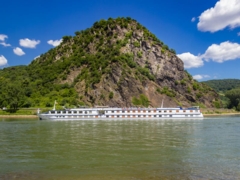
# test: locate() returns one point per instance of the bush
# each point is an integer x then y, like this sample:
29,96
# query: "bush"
217,104
195,86
141,101
136,44
139,54
110,95
183,82
168,92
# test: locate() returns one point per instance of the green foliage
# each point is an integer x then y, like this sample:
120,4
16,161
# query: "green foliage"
168,92
199,95
141,101
195,86
139,54
163,51
145,71
183,82
173,51
129,34
217,104
110,95
234,97
136,44
176,82
189,75
66,38
223,85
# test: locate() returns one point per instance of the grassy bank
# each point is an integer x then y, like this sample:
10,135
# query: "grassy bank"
209,111
23,112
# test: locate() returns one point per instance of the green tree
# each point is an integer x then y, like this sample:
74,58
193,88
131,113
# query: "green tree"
234,97
14,95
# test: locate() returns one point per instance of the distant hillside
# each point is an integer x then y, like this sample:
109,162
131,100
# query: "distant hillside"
223,84
116,62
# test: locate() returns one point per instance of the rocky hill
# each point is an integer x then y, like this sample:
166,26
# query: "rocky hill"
117,62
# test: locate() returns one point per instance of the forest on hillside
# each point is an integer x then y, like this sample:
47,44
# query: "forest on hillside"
229,90
223,85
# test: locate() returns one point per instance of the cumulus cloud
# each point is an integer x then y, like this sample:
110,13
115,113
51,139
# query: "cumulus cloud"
224,14
18,51
5,44
3,37
222,52
219,53
199,76
54,43
27,43
190,60
193,19
3,60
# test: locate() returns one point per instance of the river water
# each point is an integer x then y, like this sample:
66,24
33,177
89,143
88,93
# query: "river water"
125,149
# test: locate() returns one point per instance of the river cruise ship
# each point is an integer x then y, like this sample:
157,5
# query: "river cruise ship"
104,113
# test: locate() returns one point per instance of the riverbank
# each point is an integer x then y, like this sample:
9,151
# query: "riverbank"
35,116
18,116
222,114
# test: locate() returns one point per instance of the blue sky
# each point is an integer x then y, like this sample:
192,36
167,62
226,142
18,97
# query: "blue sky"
204,33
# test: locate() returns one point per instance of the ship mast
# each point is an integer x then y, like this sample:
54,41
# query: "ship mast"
162,103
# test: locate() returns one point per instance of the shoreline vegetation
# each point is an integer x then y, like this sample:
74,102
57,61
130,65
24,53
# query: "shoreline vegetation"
32,112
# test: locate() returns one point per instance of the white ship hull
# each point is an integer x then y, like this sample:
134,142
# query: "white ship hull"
121,113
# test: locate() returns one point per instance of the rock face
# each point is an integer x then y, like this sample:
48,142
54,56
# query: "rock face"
118,60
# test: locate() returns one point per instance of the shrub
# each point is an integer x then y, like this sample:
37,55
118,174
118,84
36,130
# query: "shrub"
136,44
139,54
129,34
217,104
199,95
110,95
141,101
168,92
195,86
183,82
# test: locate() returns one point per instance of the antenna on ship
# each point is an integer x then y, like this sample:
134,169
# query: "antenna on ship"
162,103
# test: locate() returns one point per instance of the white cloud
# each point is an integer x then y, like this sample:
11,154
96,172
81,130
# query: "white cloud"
238,34
4,44
199,76
222,52
36,57
54,43
193,19
18,51
3,60
28,43
190,61
225,13
219,53
3,37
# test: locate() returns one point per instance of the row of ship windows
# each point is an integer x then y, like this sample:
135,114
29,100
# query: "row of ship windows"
126,116
137,111
133,111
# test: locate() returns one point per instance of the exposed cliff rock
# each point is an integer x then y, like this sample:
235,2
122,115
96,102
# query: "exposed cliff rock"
117,60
